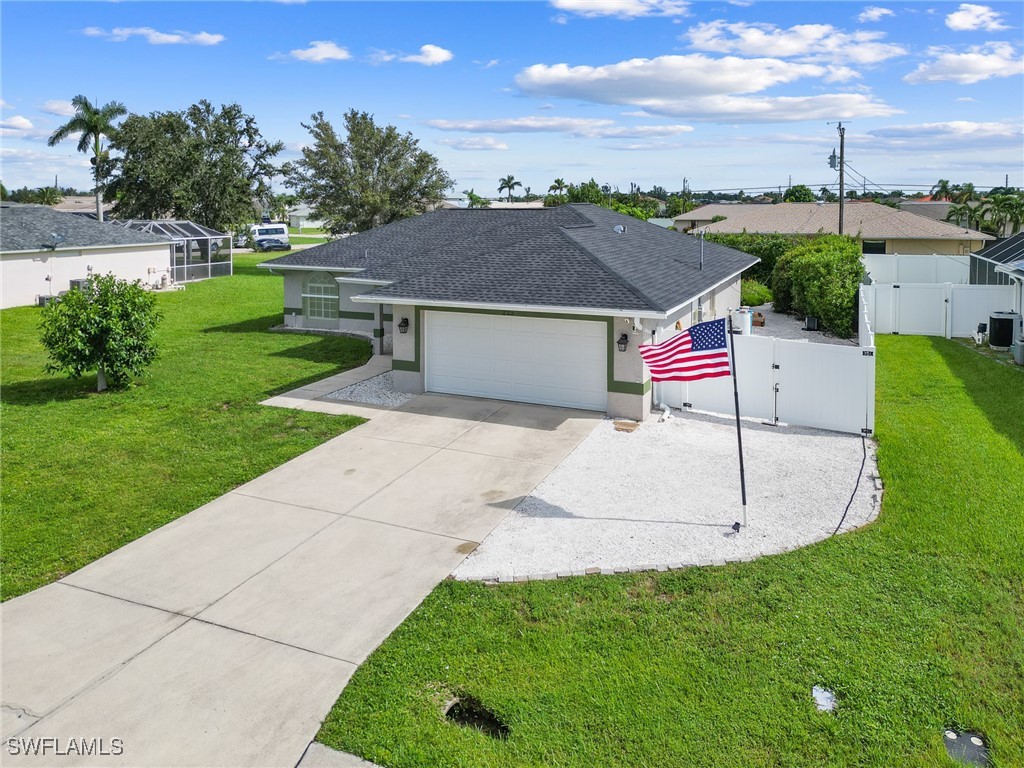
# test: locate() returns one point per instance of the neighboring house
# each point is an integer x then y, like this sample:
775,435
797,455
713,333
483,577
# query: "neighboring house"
300,218
199,252
524,305
985,264
42,251
936,210
516,205
84,205
701,217
879,228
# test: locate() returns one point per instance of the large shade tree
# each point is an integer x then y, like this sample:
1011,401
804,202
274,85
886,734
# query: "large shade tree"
208,165
93,123
365,177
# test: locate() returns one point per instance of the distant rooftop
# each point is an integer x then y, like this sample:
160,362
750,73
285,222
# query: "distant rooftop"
39,228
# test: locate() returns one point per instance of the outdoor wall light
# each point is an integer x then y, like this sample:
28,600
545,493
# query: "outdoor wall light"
403,326
623,342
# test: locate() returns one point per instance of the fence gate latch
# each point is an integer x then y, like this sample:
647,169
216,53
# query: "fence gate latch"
865,431
868,352
775,367
687,405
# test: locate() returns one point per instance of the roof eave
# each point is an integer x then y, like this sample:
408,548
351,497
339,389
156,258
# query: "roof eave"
603,311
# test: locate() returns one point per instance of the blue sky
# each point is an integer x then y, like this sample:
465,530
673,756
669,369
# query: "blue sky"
727,95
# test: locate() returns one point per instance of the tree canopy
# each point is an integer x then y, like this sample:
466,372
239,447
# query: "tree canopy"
800,193
211,166
106,327
371,176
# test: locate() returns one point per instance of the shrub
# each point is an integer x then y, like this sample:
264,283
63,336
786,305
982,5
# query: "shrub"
821,278
754,293
106,327
767,247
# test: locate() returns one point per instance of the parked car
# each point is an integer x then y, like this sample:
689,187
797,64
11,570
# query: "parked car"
272,244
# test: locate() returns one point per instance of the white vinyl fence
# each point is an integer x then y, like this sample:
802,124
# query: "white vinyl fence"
917,268
796,382
930,309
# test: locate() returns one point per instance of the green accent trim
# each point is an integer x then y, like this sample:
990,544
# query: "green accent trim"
292,311
405,365
627,388
378,333
357,315
388,318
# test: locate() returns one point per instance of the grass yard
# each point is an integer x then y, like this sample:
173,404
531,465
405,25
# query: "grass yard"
916,623
85,473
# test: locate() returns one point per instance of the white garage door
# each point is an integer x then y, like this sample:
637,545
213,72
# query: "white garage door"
526,359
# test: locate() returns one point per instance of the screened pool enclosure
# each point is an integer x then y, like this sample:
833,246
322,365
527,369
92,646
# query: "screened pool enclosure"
199,252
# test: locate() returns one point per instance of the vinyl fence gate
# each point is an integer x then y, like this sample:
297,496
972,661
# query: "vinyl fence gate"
794,382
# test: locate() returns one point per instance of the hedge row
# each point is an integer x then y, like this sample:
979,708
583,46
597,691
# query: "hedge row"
820,277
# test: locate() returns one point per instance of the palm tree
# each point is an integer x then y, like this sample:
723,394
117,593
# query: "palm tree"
508,183
941,190
93,123
558,187
960,213
1007,213
475,201
965,193
47,196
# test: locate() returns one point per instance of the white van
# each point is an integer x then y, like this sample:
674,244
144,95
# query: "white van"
261,231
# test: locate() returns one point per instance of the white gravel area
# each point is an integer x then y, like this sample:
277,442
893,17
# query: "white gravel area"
791,327
668,494
379,390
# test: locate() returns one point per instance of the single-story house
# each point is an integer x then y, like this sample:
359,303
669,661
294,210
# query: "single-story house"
42,251
544,305
301,218
879,228
704,215
984,264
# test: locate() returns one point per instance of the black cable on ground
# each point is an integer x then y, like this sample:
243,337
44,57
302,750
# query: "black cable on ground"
863,461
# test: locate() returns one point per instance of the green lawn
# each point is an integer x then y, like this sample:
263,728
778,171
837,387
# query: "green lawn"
304,240
85,473
915,621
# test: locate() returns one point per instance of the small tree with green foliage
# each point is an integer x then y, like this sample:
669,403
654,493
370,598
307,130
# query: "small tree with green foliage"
801,193
106,327
767,247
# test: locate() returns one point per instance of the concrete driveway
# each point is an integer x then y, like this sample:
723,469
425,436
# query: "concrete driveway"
224,637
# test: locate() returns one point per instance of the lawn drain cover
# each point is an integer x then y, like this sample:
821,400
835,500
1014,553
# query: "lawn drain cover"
965,747
470,713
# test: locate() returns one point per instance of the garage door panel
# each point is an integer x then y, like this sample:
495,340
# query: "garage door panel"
537,360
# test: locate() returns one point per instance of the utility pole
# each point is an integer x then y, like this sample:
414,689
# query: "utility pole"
842,174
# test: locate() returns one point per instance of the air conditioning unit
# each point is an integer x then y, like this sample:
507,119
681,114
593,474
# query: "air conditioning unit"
79,284
43,300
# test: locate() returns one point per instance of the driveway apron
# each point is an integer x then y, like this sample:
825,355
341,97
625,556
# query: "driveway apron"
224,637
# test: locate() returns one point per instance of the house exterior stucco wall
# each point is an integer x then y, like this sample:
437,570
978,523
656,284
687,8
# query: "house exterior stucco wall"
354,317
23,276
928,247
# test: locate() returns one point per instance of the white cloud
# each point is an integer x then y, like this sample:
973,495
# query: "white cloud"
318,52
378,56
635,81
153,36
967,98
874,13
59,107
623,9
16,124
701,88
970,17
962,135
560,19
475,142
598,128
4,104
980,62
811,42
649,146
429,56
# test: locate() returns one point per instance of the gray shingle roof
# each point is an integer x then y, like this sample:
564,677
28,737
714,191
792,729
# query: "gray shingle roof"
568,256
31,228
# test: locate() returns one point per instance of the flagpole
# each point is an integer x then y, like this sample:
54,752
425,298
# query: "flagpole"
739,433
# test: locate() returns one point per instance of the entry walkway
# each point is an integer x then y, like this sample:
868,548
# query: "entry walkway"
224,637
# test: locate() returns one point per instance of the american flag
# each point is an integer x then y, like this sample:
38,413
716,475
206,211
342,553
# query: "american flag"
700,352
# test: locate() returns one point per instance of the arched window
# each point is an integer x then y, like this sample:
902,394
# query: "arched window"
320,297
